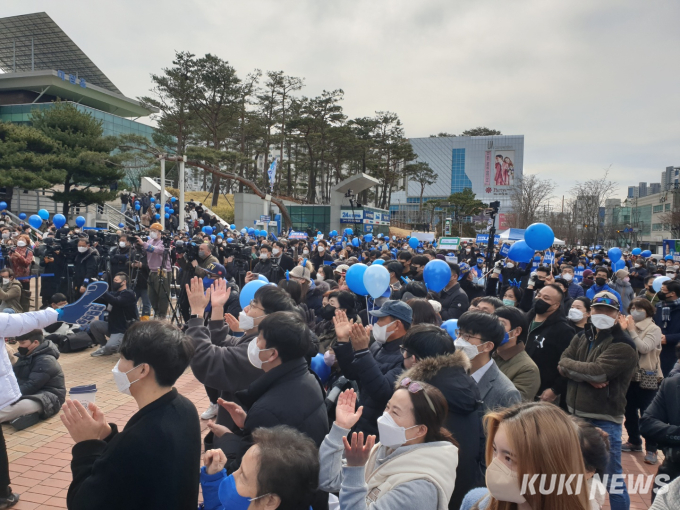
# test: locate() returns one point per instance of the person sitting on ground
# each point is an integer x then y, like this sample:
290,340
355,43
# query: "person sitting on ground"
57,301
260,478
413,465
10,292
164,433
41,382
475,330
123,311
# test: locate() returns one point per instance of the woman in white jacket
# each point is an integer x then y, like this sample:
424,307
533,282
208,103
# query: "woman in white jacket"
12,325
414,465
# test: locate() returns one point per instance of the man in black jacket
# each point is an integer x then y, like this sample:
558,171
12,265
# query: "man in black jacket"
453,299
123,310
120,256
84,267
280,259
41,382
154,461
549,335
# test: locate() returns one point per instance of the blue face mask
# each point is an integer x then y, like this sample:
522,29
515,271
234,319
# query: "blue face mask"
207,282
229,496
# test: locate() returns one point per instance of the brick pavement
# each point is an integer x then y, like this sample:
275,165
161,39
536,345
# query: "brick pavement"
40,455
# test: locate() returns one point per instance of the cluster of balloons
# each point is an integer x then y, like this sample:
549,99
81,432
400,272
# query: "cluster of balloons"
615,255
366,280
537,237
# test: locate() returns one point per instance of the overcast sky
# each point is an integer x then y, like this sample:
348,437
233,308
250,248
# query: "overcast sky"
589,84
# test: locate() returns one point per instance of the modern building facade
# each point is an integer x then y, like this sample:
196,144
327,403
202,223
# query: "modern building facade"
670,178
489,165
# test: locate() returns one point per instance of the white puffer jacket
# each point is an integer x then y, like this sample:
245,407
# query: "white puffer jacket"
15,324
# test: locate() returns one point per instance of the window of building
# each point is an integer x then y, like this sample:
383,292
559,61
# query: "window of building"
656,227
658,208
667,207
459,181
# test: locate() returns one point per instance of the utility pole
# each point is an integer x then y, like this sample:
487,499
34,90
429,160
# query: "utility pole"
492,211
182,161
162,212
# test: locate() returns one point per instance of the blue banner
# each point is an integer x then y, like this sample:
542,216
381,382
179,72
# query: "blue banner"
504,250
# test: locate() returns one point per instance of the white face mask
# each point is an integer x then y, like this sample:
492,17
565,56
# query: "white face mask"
568,276
305,252
153,235
636,265
82,249
602,321
276,251
245,321
121,379
465,346
263,256
509,265
391,434
5,281
503,483
638,315
254,354
575,315
218,241
380,332
121,244
5,235
21,244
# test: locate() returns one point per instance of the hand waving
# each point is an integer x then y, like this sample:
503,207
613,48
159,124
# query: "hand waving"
219,293
361,336
214,461
198,300
343,327
232,322
345,414
357,453
235,411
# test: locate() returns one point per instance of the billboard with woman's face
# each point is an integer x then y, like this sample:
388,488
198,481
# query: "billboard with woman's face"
503,168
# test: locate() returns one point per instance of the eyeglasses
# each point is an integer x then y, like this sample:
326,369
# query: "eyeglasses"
415,387
405,352
465,336
253,304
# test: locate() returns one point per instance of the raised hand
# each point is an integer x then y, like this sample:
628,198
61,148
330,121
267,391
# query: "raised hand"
218,430
198,300
214,461
345,414
235,411
80,424
343,327
357,453
232,322
360,336
219,293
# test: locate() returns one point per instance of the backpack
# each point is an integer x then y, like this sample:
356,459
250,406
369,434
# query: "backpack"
73,342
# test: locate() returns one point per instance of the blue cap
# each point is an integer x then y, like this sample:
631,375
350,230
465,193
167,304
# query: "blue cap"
216,270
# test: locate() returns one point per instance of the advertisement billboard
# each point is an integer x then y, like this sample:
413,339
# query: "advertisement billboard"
504,168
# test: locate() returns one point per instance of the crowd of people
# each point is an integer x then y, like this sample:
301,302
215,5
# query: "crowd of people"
321,396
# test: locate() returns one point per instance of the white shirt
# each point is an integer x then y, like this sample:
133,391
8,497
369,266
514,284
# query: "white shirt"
477,376
192,214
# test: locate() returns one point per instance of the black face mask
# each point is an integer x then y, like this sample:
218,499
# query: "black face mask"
115,286
23,351
539,284
661,295
413,271
600,281
328,312
541,307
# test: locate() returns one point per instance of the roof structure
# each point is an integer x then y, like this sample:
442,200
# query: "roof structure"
34,42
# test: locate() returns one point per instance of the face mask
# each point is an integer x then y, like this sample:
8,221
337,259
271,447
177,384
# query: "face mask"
575,315
254,354
539,284
638,315
82,249
626,279
263,256
502,483
569,277
329,358
23,351
465,346
245,321
509,302
153,235
115,286
636,265
541,307
321,249
121,244
467,250
5,281
21,244
509,265
203,255
380,333
200,222
121,379
391,434
230,498
218,241
601,321
328,312
276,251
5,235
600,282
305,252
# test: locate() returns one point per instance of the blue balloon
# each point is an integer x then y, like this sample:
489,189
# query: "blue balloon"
207,230
158,206
539,236
44,215
59,220
646,254
597,247
80,221
349,232
220,234
167,216
614,254
320,368
172,199
230,239
376,280
334,233
263,233
212,238
263,278
636,251
3,206
232,226
22,216
436,275
157,216
619,264
244,230
521,252
450,326
248,292
379,261
121,225
355,241
413,243
355,279
171,211
136,201
251,231
368,238
137,207
658,282
35,221
153,199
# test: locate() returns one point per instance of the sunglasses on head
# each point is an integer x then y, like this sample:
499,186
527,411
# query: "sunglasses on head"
604,301
415,387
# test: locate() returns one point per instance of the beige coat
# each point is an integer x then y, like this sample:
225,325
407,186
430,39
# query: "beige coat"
647,338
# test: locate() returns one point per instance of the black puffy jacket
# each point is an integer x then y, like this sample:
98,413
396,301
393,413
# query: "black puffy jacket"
454,303
85,267
449,374
41,379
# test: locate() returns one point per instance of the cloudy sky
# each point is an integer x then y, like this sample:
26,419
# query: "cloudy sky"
590,84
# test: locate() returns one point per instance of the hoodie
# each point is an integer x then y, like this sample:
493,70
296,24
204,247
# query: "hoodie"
450,375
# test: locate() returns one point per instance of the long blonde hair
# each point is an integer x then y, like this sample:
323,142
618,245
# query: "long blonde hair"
546,443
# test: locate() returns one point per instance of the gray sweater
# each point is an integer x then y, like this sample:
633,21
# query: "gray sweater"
336,476
670,500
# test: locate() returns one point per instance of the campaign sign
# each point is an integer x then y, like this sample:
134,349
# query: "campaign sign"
84,310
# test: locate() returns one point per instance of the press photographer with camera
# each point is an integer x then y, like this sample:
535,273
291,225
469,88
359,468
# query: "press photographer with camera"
120,256
158,259
85,266
268,266
122,312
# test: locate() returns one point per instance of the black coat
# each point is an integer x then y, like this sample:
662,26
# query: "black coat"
123,309
120,258
449,374
454,303
41,379
85,266
670,327
545,345
286,395
375,370
661,420
50,285
154,463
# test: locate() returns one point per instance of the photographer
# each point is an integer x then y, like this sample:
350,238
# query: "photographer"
139,279
207,259
85,266
159,271
53,262
123,311
279,258
120,256
266,267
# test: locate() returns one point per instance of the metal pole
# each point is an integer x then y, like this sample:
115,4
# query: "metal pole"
14,56
182,225
162,199
32,56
